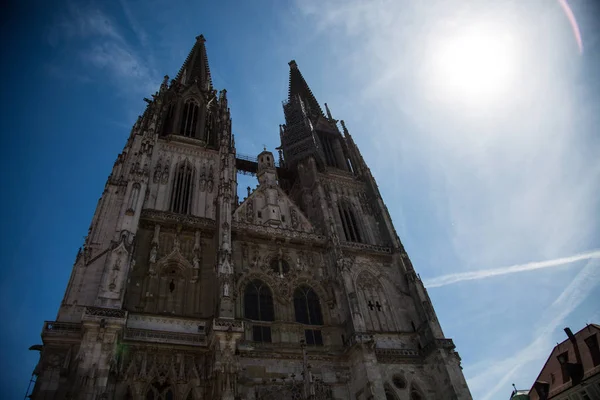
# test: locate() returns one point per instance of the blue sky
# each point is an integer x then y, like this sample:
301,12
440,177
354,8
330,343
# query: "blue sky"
478,178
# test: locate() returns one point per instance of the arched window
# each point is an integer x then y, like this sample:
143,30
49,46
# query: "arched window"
168,122
258,302
189,119
349,223
328,151
399,381
258,306
133,197
280,266
181,194
158,391
308,311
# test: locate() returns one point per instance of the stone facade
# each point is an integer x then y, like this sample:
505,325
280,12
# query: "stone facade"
301,290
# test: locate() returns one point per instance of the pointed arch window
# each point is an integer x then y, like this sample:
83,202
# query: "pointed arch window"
181,195
349,223
308,311
258,302
189,118
258,306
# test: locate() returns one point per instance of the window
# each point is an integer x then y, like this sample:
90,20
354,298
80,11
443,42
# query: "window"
189,119
261,333
584,395
182,189
399,382
280,266
313,337
328,150
133,198
258,302
592,344
552,378
167,126
349,224
307,306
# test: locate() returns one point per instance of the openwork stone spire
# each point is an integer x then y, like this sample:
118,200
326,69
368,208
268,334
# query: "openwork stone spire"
195,66
299,87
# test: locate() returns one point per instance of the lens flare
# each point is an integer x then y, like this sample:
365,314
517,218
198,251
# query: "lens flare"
567,9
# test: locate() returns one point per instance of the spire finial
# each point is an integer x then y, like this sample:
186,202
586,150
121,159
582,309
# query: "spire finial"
293,64
328,112
195,67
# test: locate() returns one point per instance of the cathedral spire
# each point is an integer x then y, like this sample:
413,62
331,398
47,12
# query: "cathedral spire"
195,66
299,88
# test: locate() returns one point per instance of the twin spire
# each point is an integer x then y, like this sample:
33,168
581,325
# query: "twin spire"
299,87
195,66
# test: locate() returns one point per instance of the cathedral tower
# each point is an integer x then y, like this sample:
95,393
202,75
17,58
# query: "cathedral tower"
301,290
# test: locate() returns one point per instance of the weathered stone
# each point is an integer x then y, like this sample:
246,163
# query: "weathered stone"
184,292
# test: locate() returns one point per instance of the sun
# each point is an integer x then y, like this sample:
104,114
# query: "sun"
474,64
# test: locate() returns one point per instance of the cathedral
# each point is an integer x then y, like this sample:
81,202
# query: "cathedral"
300,290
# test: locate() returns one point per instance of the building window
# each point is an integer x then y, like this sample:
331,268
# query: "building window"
592,344
261,333
307,306
258,302
168,120
399,382
280,266
313,337
133,198
349,223
584,395
181,195
189,119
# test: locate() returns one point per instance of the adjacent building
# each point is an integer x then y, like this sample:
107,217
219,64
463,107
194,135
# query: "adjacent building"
572,372
300,290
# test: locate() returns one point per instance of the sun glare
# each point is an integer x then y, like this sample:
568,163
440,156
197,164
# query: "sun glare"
475,64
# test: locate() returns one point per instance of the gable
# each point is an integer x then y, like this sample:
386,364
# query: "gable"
272,207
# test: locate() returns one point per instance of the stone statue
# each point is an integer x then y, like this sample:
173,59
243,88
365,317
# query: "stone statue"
153,253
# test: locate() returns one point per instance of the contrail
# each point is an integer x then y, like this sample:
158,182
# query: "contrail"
488,273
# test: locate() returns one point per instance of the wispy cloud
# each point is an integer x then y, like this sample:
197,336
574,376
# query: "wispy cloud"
103,45
501,182
488,273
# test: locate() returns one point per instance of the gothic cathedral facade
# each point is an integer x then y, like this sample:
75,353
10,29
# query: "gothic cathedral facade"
302,290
